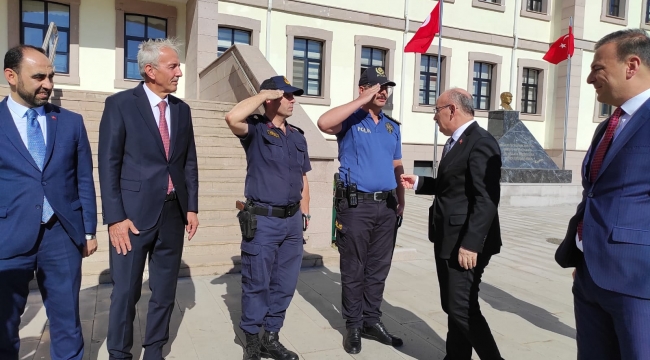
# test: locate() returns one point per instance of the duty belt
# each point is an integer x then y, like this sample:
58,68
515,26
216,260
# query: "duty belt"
275,211
341,193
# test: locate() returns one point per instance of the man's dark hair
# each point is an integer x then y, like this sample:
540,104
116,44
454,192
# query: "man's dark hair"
14,56
462,100
629,42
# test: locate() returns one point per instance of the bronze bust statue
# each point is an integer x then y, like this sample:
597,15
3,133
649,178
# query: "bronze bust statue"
506,99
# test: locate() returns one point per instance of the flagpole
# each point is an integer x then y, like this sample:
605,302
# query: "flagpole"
402,88
566,101
435,133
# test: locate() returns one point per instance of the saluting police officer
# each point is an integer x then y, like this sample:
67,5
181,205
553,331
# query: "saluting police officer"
276,210
369,199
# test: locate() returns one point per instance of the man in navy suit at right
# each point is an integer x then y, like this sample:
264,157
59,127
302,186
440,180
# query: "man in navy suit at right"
608,240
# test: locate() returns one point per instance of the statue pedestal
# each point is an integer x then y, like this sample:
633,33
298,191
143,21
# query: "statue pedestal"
523,158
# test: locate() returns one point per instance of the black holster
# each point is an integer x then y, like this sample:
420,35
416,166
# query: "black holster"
247,223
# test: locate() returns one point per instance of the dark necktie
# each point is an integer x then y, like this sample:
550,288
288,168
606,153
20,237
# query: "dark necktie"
601,151
447,147
164,134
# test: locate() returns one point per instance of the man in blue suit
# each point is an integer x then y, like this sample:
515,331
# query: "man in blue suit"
48,211
608,240
149,183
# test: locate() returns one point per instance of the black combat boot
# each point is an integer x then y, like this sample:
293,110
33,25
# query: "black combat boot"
272,348
252,349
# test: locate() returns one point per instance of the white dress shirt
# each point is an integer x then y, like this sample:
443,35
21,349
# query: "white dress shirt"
154,100
19,114
630,107
454,136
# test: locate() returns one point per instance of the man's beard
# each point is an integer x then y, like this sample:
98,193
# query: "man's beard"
31,98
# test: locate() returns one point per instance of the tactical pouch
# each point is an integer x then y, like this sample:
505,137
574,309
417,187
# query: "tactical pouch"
247,223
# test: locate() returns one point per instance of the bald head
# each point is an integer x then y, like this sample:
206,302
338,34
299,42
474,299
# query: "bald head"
453,109
462,99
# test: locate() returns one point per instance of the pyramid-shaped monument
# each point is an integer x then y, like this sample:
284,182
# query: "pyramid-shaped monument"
523,158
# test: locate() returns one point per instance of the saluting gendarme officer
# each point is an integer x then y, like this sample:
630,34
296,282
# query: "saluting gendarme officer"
369,199
275,213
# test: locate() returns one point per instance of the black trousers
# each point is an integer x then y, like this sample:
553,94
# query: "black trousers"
365,239
467,327
162,247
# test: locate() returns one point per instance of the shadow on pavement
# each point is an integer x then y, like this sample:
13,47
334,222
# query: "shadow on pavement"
535,315
321,287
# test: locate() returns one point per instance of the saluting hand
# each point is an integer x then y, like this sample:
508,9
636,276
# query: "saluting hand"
272,94
368,94
408,181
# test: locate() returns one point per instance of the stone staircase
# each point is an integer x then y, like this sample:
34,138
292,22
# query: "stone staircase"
222,169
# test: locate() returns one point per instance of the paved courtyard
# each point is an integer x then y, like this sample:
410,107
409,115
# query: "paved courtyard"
525,297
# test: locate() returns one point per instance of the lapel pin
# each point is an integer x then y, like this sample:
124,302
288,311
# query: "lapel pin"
53,117
460,141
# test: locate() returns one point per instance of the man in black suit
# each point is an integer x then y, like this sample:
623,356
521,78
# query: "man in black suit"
463,221
149,184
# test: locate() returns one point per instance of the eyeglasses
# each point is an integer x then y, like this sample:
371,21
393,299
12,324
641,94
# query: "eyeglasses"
437,109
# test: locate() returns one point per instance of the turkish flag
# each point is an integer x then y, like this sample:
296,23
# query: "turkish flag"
561,49
424,36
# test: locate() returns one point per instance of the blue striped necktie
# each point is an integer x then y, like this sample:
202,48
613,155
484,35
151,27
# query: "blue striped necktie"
36,147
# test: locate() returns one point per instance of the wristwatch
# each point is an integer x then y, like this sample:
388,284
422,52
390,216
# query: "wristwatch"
90,237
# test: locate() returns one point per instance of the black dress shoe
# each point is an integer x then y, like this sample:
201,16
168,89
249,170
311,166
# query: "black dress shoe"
379,333
271,348
352,341
252,348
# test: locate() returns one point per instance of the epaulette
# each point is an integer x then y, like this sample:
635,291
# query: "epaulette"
297,128
393,120
255,118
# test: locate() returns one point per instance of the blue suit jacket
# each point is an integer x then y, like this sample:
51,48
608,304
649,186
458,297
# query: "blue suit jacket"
66,181
133,167
616,212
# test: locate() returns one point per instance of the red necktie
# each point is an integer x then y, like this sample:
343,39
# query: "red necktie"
601,150
164,134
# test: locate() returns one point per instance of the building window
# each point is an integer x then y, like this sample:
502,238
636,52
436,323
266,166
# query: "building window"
647,12
139,28
228,37
428,75
529,91
494,5
535,5
307,65
374,51
423,168
372,57
35,19
614,8
605,110
428,79
482,85
530,98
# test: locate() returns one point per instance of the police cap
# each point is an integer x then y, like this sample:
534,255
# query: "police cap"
374,75
280,83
